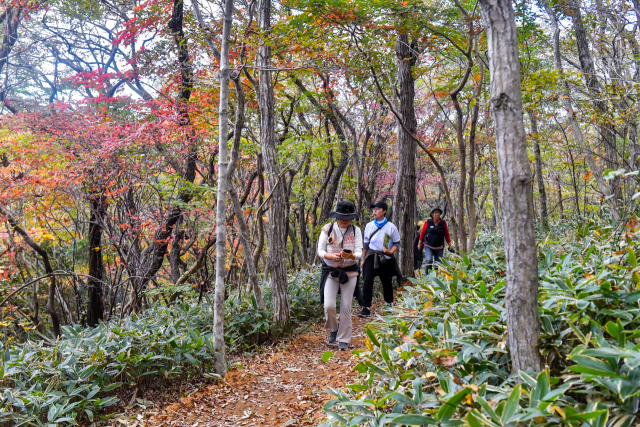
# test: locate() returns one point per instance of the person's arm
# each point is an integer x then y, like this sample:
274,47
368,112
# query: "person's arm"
422,233
395,238
365,247
446,234
357,251
322,248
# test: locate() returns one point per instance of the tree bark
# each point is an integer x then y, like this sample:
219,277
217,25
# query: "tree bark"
542,193
221,202
515,184
494,194
277,253
95,306
404,201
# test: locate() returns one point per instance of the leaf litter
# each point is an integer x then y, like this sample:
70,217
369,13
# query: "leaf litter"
275,386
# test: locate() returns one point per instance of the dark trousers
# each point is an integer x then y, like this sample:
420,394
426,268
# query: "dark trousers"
385,272
418,257
432,256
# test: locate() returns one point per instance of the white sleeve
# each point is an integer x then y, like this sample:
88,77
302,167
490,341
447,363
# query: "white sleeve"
358,243
322,244
395,235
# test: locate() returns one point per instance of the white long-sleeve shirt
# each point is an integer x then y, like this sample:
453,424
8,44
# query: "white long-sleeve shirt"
352,240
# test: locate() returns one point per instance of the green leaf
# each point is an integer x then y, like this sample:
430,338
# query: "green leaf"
512,404
372,336
591,366
447,410
326,356
87,372
587,415
631,258
111,386
413,420
488,409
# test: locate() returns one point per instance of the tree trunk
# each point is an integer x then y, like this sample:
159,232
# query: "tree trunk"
277,253
95,306
544,215
494,194
51,309
471,197
244,235
221,202
607,133
404,202
568,106
515,185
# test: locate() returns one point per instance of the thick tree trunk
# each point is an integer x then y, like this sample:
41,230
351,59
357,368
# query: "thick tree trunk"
277,253
221,202
404,202
95,306
542,193
515,184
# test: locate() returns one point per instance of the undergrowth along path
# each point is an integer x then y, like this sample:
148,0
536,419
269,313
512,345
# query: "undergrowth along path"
274,387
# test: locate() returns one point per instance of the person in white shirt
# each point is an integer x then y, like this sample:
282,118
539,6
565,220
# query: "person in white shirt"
381,241
340,247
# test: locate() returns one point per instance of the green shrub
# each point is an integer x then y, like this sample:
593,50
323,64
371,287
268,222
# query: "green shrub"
76,376
441,357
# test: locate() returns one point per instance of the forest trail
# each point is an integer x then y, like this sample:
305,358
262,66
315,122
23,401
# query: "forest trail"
276,386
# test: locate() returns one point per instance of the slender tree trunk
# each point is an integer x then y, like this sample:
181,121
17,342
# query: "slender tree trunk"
244,235
155,254
277,253
515,184
494,193
257,252
568,106
95,306
51,309
221,203
471,197
544,215
404,202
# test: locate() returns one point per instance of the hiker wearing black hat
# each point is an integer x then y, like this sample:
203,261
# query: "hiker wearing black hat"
340,247
434,233
381,240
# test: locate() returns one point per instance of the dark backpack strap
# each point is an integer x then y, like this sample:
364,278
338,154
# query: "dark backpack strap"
374,232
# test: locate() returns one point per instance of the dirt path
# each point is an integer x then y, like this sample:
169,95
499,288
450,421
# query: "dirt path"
274,387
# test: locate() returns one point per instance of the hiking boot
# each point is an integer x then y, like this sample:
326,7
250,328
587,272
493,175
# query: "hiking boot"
387,306
365,312
332,336
343,346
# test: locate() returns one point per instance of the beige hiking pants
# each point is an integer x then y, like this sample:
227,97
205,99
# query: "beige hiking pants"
331,287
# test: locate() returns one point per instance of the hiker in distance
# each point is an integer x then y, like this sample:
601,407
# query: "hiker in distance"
434,233
418,255
381,241
340,247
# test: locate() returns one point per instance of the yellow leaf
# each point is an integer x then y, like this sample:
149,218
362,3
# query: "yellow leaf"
468,399
368,344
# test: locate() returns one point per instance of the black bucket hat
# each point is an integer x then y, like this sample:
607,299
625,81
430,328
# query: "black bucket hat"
435,209
344,210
